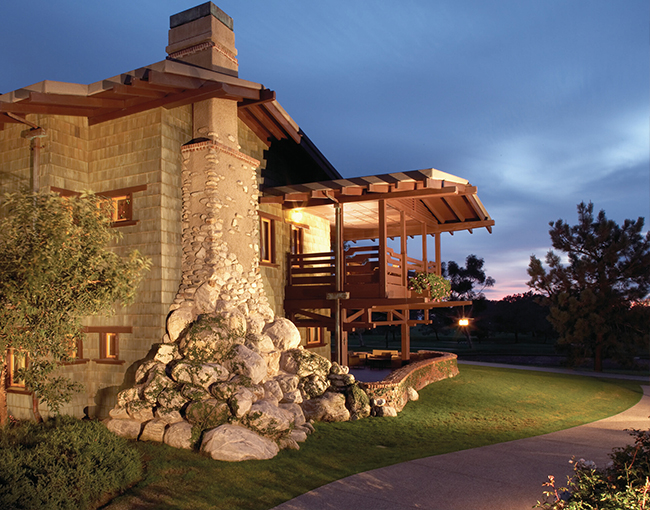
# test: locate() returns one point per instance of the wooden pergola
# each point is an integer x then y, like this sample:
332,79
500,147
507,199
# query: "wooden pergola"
367,286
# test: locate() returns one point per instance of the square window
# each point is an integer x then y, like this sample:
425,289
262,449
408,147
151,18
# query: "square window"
109,345
315,336
121,208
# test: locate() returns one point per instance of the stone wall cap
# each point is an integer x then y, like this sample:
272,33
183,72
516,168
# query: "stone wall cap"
200,11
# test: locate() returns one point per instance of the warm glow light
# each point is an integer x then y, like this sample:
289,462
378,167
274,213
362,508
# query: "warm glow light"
296,215
463,322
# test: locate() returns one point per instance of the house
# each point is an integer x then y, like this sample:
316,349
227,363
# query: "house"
207,170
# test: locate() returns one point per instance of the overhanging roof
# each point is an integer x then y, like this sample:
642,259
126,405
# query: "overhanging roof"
430,199
166,84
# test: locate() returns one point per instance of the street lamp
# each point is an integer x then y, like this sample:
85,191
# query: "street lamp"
463,322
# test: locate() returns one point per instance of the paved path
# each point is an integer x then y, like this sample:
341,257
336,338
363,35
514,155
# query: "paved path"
505,476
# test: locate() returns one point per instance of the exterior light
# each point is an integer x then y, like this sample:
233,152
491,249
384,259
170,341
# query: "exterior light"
296,215
463,322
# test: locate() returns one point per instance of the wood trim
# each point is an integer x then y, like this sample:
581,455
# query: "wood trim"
269,216
107,329
122,191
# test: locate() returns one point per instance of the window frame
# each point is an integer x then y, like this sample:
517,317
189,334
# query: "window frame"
11,385
268,242
296,240
76,355
107,355
314,337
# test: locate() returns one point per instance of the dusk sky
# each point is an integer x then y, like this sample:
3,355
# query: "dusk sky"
540,103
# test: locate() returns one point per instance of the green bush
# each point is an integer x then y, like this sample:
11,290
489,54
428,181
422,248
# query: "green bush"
63,463
623,484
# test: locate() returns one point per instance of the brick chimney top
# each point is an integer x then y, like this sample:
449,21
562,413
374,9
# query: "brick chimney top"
203,36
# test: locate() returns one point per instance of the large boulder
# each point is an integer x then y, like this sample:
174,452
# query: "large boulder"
178,321
357,402
208,413
240,402
204,375
283,333
247,363
153,430
234,443
268,419
304,363
179,435
328,407
130,429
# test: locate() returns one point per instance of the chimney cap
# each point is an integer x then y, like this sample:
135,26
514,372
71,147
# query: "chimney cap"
200,11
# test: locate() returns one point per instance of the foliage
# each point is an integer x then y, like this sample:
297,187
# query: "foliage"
439,287
481,406
521,313
63,464
55,268
591,298
624,483
469,282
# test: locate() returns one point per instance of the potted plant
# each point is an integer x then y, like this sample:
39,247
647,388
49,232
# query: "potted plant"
438,287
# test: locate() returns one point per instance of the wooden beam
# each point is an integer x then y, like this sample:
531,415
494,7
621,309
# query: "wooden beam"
76,101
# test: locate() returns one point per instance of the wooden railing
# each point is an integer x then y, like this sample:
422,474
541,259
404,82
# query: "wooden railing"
312,269
318,270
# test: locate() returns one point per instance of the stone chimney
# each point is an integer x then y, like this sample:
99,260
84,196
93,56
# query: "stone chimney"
203,36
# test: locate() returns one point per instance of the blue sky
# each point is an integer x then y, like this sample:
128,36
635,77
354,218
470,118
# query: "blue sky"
541,104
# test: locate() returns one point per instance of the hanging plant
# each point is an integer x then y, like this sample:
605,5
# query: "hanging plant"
439,287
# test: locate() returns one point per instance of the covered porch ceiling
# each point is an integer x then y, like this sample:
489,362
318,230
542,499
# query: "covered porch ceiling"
432,202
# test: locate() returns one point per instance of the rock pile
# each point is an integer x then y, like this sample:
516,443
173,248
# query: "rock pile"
235,383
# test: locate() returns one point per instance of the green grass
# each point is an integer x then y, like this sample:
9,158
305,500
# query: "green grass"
479,407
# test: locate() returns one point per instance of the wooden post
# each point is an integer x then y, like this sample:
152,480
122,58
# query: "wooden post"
402,224
425,263
383,233
406,338
438,261
339,268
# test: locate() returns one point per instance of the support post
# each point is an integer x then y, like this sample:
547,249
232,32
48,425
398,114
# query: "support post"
425,263
406,338
383,233
405,264
340,338
438,262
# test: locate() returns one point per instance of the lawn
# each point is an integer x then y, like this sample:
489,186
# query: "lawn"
479,407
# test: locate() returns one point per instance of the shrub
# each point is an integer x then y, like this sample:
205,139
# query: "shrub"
439,287
63,463
624,483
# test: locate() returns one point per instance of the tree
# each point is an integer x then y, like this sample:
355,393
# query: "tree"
55,269
464,279
592,297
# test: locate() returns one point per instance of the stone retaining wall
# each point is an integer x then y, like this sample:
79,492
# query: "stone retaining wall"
434,366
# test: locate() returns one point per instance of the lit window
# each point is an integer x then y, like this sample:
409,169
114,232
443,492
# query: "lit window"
267,240
296,240
75,348
16,361
109,345
315,336
121,208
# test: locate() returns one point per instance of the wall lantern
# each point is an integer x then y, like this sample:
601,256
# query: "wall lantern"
463,322
296,215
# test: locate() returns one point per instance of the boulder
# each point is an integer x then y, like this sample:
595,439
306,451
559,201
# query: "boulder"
288,443
291,397
240,402
143,370
205,298
328,407
247,363
208,413
119,413
171,399
156,383
233,443
313,386
357,402
283,333
128,395
153,430
178,321
298,416
167,353
179,435
298,435
412,394
268,419
272,391
168,416
384,411
130,429
304,363
140,411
